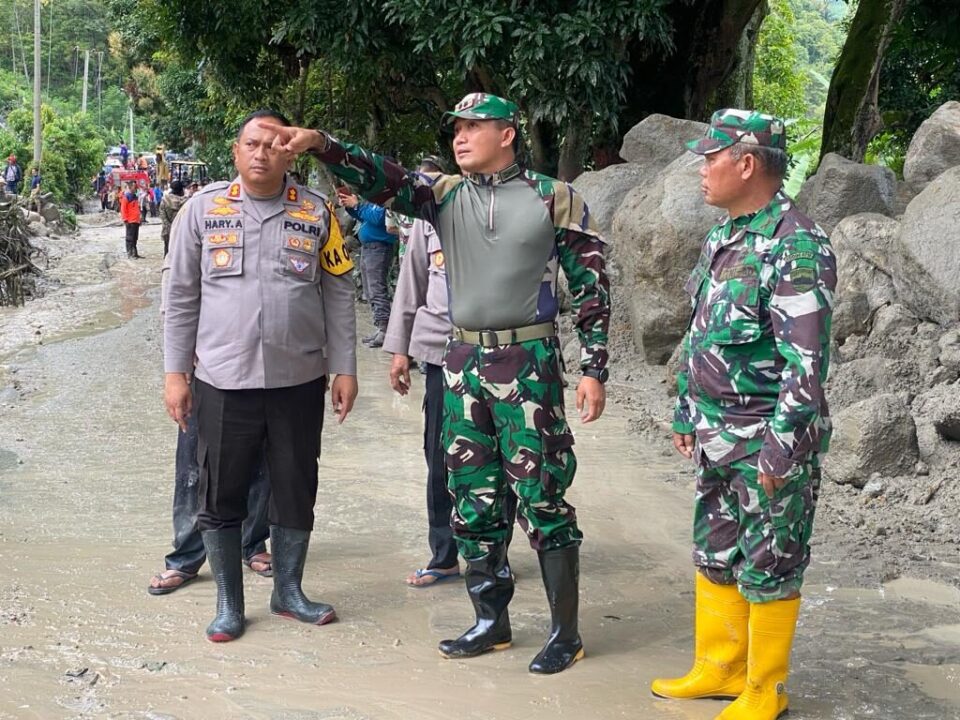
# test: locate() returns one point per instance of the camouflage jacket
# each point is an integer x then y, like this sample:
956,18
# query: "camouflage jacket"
756,350
525,204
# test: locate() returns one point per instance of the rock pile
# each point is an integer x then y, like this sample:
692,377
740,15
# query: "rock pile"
894,386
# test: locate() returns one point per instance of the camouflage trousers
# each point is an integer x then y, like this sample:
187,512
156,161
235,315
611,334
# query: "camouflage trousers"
504,430
742,536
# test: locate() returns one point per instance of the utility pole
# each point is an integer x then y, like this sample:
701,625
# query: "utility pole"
86,73
131,125
37,135
99,82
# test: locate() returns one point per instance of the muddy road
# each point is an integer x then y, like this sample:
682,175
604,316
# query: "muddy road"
86,481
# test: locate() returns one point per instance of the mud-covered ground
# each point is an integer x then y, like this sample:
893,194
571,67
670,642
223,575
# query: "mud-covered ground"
86,467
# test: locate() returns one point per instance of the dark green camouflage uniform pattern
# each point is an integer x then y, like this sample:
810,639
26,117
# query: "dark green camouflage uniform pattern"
729,127
754,360
505,430
742,536
505,427
481,106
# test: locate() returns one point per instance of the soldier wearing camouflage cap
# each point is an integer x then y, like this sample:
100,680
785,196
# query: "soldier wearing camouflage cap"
751,412
505,231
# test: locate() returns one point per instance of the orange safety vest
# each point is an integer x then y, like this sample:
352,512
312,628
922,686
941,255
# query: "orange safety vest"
129,209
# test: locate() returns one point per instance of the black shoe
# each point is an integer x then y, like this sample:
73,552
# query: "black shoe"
561,578
223,553
377,340
370,337
490,586
288,548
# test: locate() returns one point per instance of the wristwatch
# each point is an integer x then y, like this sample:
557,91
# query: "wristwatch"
601,374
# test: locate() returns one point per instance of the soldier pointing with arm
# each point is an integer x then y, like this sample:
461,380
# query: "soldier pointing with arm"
505,232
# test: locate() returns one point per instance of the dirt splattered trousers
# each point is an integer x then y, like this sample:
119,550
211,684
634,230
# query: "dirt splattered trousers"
505,431
742,536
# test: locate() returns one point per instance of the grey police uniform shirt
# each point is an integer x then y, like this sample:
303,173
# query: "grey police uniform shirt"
420,319
256,293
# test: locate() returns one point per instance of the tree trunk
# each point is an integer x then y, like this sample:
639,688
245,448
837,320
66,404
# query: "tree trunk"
851,118
574,149
543,148
712,38
298,114
710,66
737,90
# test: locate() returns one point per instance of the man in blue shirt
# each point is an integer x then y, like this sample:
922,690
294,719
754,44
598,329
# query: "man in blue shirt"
376,258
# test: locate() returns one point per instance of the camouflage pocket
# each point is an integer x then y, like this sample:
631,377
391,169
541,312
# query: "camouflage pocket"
735,312
790,505
558,464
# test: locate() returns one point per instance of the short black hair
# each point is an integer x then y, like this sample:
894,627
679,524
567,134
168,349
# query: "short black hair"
262,113
773,161
517,138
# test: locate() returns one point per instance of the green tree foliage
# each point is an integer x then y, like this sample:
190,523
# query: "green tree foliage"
779,81
548,56
72,150
798,45
373,69
74,145
921,72
819,31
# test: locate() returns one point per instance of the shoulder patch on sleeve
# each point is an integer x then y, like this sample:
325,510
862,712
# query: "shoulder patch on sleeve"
443,186
334,258
570,212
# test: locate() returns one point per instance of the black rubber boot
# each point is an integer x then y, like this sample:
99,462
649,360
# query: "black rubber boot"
288,548
490,586
129,249
561,578
223,553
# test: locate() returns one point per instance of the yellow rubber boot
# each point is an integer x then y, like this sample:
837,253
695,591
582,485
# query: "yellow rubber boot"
772,626
720,647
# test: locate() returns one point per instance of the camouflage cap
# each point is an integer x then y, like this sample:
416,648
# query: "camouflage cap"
482,106
730,126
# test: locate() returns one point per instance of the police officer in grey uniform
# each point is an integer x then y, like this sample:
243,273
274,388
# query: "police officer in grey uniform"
260,296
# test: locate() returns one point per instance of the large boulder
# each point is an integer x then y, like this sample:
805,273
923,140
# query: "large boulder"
937,411
935,146
949,355
658,140
604,190
842,187
864,244
50,213
927,272
658,232
876,435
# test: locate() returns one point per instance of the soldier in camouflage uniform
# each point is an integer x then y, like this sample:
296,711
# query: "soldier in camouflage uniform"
751,411
505,232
